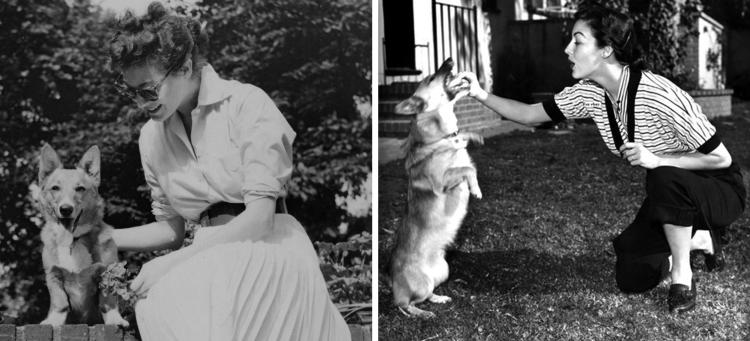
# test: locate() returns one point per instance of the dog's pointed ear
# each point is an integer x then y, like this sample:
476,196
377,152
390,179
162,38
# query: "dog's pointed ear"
90,163
48,162
446,67
410,106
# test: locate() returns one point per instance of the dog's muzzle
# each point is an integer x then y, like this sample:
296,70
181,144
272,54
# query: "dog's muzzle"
66,217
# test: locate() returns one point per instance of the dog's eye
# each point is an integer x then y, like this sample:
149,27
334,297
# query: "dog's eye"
55,188
80,189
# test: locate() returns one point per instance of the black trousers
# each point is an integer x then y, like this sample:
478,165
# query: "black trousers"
701,199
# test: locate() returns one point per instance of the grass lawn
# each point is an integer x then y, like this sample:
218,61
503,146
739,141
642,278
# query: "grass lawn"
534,259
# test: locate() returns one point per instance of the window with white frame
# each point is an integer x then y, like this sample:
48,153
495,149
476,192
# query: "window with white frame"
542,9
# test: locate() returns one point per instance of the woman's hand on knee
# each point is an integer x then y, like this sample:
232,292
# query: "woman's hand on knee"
151,272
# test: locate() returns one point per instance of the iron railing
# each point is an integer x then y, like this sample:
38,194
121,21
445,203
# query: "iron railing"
422,55
456,34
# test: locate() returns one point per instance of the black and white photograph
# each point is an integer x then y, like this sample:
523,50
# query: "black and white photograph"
241,170
186,170
563,170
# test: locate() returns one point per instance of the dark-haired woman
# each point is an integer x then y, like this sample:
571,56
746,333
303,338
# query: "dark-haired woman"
215,152
692,185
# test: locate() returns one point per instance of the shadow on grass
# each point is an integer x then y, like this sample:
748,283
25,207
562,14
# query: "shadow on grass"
527,271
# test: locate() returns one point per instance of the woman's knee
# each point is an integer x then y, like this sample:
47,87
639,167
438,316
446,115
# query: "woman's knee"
662,178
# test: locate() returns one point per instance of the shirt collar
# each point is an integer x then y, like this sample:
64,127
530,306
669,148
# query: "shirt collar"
622,91
212,89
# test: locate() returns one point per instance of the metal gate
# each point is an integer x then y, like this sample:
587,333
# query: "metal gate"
455,34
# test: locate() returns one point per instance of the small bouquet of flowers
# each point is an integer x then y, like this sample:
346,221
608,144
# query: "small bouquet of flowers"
116,280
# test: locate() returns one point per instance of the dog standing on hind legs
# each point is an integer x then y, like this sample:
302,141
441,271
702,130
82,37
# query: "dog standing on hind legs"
441,177
78,244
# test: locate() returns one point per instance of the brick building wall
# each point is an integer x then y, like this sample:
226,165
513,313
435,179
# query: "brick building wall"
715,103
472,116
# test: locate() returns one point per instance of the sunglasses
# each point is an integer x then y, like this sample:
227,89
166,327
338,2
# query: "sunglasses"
150,93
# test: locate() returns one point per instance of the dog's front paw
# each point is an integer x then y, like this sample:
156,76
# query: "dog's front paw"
476,192
439,299
113,317
412,311
474,137
478,139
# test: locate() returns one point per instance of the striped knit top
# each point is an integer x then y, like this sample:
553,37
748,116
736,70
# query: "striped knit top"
666,120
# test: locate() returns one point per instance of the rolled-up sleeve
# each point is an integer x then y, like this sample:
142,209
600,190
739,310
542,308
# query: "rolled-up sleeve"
265,146
689,124
160,206
571,102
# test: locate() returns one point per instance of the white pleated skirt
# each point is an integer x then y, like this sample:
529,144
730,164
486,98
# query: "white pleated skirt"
264,290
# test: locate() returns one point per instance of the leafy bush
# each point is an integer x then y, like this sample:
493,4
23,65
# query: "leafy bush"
312,57
332,160
347,267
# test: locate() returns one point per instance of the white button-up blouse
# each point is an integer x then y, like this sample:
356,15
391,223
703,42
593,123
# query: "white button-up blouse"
241,149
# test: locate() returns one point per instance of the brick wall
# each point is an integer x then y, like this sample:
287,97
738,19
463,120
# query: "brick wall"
82,332
472,116
715,103
73,332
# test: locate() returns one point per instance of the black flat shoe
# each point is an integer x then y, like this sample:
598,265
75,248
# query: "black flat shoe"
681,298
715,261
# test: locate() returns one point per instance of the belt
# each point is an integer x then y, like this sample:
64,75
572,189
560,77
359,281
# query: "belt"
222,212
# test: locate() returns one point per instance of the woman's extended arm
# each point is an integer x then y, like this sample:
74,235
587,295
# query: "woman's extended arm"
526,114
166,234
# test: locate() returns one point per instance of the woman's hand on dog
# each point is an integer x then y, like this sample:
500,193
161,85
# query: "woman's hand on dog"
467,81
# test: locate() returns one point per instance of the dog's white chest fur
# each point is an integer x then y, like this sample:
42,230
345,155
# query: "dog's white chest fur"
462,158
71,255
66,260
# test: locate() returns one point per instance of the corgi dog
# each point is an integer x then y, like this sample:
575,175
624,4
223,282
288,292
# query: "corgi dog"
441,177
77,244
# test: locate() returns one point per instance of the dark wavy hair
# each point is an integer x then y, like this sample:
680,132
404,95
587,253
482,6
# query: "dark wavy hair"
159,37
615,29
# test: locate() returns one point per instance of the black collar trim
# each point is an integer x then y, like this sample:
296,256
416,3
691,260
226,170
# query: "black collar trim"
633,82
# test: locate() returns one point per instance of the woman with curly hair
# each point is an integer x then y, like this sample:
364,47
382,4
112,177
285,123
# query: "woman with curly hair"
216,152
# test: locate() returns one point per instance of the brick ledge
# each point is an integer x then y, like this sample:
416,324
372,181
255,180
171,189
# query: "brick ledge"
695,93
711,92
100,332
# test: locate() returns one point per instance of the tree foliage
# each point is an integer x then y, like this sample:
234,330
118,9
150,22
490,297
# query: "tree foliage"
309,55
313,58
